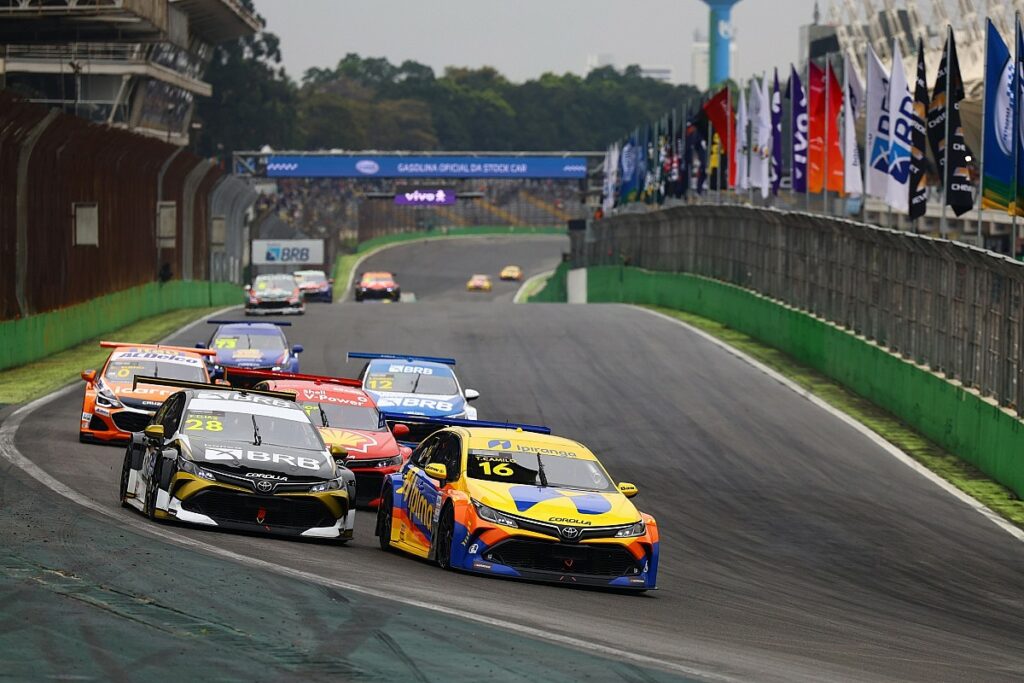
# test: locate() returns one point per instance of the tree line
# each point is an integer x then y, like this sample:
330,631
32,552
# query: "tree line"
370,103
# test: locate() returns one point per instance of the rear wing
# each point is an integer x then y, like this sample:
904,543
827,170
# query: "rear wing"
396,356
421,427
161,347
248,322
184,384
250,377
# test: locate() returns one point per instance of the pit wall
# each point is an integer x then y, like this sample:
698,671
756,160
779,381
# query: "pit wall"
957,419
28,339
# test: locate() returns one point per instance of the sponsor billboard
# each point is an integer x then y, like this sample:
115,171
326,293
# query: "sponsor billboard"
287,252
352,166
422,196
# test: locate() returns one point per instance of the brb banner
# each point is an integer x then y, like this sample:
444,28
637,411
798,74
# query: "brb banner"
349,166
419,196
287,252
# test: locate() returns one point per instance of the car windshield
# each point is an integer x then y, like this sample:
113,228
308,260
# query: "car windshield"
377,279
311,276
124,370
269,341
525,468
364,418
231,425
275,282
412,383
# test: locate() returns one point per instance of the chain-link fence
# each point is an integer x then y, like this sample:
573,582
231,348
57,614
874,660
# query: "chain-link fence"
942,304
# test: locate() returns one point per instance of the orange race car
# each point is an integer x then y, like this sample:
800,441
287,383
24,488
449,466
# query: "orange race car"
112,409
346,416
377,285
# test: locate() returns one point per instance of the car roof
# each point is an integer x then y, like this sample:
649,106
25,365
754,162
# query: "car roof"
309,272
239,400
248,327
377,273
377,362
484,438
482,275
156,351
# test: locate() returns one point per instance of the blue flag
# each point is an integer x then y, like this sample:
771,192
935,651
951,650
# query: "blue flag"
776,165
630,184
1018,205
1000,90
798,131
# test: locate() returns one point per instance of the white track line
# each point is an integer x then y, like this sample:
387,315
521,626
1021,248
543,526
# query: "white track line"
9,429
889,448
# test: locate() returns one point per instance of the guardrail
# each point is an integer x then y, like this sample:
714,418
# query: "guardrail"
954,308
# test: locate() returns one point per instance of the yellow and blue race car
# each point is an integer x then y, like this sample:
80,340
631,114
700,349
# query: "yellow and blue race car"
515,501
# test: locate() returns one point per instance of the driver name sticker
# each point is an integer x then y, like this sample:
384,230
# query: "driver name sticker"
222,454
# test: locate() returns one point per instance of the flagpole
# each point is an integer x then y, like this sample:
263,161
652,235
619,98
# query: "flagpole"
792,150
943,226
807,89
1016,127
825,145
728,124
981,152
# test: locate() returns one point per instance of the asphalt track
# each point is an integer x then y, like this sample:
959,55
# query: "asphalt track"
793,548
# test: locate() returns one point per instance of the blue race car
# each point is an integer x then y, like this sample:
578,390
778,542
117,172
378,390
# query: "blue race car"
424,386
251,345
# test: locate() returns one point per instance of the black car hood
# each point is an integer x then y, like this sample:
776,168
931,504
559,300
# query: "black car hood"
296,463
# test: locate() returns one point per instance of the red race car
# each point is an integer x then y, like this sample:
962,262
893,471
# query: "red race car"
112,409
378,285
346,416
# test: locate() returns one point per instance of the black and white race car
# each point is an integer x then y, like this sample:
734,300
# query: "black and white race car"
237,459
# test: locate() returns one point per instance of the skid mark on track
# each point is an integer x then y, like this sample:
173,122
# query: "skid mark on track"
401,654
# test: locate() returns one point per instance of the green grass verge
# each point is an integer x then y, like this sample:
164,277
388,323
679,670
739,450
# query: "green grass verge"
961,474
27,382
532,286
344,263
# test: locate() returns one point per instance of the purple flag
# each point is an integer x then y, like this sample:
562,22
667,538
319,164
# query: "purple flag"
776,166
798,129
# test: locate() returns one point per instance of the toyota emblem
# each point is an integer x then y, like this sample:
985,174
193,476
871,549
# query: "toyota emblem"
570,533
264,486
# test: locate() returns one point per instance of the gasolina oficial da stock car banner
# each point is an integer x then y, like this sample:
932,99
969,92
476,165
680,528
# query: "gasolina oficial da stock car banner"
356,166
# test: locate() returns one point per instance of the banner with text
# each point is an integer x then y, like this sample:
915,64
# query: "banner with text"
351,166
287,252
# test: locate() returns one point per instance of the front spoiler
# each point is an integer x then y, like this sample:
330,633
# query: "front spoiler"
342,529
478,566
290,310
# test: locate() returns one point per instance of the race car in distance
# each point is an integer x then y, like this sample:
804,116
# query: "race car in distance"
277,294
113,407
377,285
315,285
234,459
416,385
346,417
511,273
514,501
255,346
479,283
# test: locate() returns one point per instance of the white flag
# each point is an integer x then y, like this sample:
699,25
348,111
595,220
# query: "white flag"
741,148
611,172
853,100
876,142
901,120
764,139
755,105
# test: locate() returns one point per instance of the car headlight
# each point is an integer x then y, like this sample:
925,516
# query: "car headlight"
106,398
494,516
331,485
186,465
390,462
638,529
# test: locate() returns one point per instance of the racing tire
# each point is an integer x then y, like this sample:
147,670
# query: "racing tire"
444,537
122,488
149,505
385,518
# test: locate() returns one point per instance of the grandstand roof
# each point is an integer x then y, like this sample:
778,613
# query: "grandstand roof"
217,21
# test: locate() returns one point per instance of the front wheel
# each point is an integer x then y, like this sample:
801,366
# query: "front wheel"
384,521
443,539
126,468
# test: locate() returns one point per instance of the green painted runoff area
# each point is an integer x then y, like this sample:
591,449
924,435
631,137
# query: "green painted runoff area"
974,429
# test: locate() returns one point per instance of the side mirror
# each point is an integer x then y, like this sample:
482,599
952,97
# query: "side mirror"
472,394
200,345
297,348
400,429
89,376
627,489
154,433
436,470
248,287
339,451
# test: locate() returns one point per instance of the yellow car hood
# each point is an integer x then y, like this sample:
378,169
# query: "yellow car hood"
548,504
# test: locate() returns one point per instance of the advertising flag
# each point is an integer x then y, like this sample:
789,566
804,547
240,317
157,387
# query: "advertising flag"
1018,126
957,181
1000,95
742,146
919,141
764,140
798,132
853,91
901,108
720,113
756,104
611,173
816,128
629,185
776,165
834,145
876,145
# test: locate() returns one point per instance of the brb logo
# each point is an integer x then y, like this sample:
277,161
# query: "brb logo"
279,254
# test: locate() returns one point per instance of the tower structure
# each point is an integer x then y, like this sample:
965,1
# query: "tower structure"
720,34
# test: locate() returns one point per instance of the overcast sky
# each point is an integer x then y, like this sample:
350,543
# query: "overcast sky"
525,38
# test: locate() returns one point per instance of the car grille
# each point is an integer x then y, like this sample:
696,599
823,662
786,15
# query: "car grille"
277,511
128,421
273,304
368,487
589,560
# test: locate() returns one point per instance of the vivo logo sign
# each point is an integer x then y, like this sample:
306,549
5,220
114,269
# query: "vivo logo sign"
368,167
